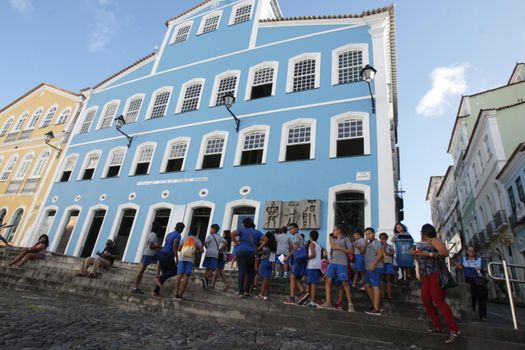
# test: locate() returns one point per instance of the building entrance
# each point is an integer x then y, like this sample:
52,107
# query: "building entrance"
200,219
350,211
94,230
121,241
71,221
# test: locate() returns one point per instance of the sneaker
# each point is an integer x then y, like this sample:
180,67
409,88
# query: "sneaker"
312,304
374,313
351,308
363,289
338,306
290,301
285,275
241,296
204,283
177,297
266,299
136,291
303,298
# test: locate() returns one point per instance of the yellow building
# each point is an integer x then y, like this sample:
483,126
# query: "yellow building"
28,160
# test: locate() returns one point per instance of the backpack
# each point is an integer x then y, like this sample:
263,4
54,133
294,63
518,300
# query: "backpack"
301,256
189,247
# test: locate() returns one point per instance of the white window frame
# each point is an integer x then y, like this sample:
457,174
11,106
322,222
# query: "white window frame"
204,142
69,109
209,15
350,47
41,158
183,89
103,114
291,65
334,121
128,103
251,76
7,125
136,158
235,7
242,136
284,136
176,30
47,113
25,163
63,167
85,162
28,126
180,139
108,160
217,81
152,100
80,125
13,159
21,121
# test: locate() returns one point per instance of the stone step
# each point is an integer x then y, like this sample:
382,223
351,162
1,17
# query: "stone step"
396,330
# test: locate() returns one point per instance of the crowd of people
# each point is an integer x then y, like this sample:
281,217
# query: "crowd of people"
365,263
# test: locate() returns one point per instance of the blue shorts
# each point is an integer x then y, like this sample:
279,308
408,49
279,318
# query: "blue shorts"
312,276
298,270
185,267
149,259
220,264
337,272
265,268
210,263
360,263
373,278
388,269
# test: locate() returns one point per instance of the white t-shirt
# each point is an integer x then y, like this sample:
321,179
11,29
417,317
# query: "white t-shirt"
212,243
315,263
152,238
283,243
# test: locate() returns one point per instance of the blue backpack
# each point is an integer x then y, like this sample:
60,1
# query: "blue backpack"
300,255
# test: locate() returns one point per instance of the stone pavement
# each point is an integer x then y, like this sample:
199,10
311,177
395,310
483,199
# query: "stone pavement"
35,321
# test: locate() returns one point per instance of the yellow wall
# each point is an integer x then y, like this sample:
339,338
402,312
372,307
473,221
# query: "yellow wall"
43,96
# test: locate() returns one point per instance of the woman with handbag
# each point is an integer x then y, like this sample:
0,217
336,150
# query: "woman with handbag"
430,255
474,270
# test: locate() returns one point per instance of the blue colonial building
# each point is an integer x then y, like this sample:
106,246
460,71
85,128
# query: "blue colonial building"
310,148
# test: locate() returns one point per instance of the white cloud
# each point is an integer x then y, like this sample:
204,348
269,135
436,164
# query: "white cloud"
22,6
446,82
103,29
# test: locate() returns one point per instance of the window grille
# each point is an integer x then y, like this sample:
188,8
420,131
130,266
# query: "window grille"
304,75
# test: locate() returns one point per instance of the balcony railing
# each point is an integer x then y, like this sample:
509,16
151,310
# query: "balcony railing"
500,220
24,135
488,229
11,137
482,236
30,186
13,187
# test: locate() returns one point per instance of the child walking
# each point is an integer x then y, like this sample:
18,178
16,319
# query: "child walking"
313,267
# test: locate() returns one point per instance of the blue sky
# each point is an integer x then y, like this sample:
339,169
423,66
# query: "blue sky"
445,48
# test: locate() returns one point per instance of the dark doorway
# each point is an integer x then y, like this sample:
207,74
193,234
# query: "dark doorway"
71,221
94,230
200,218
350,210
121,241
162,217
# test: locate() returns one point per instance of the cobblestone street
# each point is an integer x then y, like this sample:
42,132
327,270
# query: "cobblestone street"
31,321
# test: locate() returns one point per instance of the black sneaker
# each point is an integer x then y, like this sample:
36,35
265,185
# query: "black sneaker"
303,299
290,301
374,313
136,291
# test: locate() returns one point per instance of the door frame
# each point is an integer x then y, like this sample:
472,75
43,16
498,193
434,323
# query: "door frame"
118,221
85,227
62,226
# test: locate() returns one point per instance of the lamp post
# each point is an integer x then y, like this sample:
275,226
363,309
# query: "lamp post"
50,136
119,122
229,100
367,74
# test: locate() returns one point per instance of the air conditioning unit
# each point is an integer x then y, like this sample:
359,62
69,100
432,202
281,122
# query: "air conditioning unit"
520,211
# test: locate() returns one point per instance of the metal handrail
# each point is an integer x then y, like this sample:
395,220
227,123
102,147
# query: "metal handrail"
507,280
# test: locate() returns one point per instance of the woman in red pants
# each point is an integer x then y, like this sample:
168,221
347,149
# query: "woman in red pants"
432,295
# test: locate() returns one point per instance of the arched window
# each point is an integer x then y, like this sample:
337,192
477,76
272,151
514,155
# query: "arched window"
225,84
64,116
24,166
8,169
133,104
49,117
3,213
17,217
252,145
69,166
298,140
159,103
262,80
108,114
143,159
304,72
175,155
212,149
181,32
88,120
20,122
190,96
6,126
349,135
241,13
34,118
210,22
90,165
115,160
347,62
40,165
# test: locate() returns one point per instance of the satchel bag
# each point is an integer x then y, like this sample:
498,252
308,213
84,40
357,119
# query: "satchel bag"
446,279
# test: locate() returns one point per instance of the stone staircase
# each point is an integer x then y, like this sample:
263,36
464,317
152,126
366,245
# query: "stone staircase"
404,320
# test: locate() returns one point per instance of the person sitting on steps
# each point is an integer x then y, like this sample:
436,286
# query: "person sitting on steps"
105,259
36,252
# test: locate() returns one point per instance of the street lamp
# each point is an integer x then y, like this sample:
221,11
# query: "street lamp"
367,74
50,136
229,100
119,122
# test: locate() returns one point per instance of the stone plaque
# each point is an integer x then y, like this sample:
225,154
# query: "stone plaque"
304,213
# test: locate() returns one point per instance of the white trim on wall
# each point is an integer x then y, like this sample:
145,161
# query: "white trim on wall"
365,117
85,228
62,226
118,221
284,136
240,142
244,202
